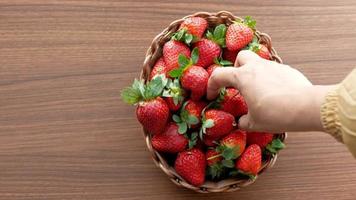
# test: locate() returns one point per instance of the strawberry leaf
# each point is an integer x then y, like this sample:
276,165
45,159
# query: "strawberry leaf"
176,100
225,63
188,38
250,22
195,55
130,95
155,87
220,31
182,127
275,146
192,120
183,61
176,118
193,140
228,163
216,171
228,153
176,73
209,123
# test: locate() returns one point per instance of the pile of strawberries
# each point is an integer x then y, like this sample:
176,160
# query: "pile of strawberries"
200,135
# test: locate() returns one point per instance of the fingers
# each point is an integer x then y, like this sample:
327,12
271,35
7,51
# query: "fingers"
246,56
222,77
244,122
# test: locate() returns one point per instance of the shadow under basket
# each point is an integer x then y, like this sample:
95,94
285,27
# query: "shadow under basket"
153,53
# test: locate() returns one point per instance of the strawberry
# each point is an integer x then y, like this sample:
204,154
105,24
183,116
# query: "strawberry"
209,49
217,123
190,165
250,161
210,142
259,138
171,51
218,63
231,101
240,34
233,144
158,68
259,49
191,29
265,140
174,95
170,141
193,78
190,115
229,55
152,111
215,168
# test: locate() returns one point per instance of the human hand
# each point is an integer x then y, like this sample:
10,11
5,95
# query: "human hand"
279,97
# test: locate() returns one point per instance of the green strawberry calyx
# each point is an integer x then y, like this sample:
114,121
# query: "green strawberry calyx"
228,153
183,36
218,35
216,171
239,172
193,140
248,21
139,91
174,90
184,120
254,45
275,146
207,123
184,63
222,62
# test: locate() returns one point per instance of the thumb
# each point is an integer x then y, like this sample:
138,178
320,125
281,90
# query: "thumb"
244,122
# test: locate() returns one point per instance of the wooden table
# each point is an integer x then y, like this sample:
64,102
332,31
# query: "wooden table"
65,133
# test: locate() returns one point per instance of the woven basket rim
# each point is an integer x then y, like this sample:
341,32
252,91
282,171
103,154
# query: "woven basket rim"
152,54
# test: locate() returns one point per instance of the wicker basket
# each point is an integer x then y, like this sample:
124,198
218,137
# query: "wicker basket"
153,53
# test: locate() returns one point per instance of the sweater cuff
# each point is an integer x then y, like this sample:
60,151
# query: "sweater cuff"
329,117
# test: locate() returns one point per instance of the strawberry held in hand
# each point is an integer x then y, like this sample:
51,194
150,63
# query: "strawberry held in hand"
216,124
265,140
218,63
192,77
170,141
240,34
259,49
250,161
232,101
152,111
191,164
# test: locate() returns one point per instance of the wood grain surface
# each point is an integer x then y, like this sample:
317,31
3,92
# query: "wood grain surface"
65,133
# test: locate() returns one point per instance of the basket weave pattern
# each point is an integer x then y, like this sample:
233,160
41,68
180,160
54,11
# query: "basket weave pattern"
153,53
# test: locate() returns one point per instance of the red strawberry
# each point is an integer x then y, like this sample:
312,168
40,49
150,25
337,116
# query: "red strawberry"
240,34
171,105
217,123
153,115
195,79
152,111
259,138
212,157
195,26
190,164
190,115
158,68
229,55
263,52
171,51
232,101
236,141
250,160
259,49
170,141
215,168
208,51
210,142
